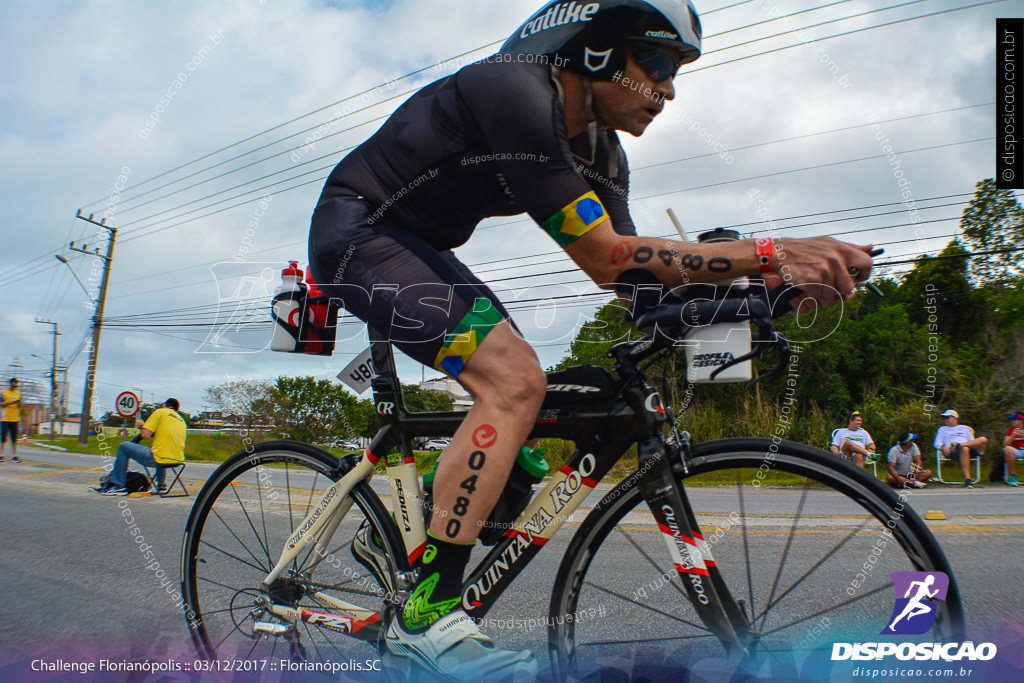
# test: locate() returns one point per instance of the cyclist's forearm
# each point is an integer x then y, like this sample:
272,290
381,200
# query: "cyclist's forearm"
672,262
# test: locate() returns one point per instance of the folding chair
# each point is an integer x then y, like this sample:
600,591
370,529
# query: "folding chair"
975,457
873,464
1006,470
176,468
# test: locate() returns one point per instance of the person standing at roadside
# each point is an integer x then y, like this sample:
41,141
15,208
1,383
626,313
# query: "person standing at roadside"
11,405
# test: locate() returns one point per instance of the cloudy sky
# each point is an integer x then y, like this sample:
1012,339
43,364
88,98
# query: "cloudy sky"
189,123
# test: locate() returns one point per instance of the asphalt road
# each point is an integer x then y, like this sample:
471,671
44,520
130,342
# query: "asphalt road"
76,588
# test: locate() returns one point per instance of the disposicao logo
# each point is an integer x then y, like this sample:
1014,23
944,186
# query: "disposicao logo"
914,613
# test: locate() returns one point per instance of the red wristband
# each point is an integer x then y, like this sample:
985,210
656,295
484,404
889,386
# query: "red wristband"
763,248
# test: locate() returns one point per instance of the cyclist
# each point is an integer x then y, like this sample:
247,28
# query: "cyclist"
514,133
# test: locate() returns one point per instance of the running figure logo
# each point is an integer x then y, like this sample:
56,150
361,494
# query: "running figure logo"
914,613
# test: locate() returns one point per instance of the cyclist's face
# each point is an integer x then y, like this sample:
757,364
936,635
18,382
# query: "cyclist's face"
631,102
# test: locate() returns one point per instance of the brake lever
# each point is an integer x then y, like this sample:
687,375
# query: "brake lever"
854,272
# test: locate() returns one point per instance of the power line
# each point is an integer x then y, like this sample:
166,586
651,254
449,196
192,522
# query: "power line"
295,187
298,118
847,33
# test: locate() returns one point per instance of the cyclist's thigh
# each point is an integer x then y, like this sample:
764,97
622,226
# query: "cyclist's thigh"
422,300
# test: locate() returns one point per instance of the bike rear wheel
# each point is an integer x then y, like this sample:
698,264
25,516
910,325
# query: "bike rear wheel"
804,540
236,531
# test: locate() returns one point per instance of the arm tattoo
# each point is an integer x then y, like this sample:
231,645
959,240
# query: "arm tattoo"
719,264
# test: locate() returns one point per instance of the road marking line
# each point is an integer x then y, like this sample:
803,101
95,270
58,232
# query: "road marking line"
44,474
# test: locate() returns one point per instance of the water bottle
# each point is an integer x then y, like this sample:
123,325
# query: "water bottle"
529,468
287,310
712,346
316,336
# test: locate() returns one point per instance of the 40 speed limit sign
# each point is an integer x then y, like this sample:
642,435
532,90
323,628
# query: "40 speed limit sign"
127,404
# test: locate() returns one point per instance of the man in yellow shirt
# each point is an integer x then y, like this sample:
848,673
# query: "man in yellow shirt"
167,428
11,405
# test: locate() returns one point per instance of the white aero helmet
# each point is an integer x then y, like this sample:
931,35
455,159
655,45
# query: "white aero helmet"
590,37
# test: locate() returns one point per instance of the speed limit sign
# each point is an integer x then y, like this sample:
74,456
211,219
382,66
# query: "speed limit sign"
127,404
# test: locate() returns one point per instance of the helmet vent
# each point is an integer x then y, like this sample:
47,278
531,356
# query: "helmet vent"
695,24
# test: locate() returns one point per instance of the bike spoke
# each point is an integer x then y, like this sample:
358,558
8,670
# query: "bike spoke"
291,520
641,641
817,564
235,557
746,542
789,542
208,612
648,607
261,541
230,588
240,541
828,609
312,641
651,561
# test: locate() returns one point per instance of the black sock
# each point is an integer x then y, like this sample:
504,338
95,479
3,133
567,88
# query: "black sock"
439,589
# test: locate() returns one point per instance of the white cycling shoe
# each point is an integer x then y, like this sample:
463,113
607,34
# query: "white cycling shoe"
371,555
455,649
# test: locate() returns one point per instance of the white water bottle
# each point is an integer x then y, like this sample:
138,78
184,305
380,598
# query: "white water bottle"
712,346
287,309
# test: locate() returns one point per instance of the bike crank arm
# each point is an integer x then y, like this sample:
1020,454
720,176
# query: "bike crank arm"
688,550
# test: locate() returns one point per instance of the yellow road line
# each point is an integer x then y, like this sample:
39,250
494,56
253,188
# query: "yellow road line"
44,474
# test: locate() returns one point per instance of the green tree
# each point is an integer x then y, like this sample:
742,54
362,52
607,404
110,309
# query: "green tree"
593,341
938,293
307,409
994,220
248,398
419,400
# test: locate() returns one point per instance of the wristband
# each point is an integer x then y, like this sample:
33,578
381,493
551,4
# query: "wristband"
763,249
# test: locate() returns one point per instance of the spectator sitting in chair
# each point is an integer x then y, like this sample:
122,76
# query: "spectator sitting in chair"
167,428
905,464
957,442
854,443
1013,446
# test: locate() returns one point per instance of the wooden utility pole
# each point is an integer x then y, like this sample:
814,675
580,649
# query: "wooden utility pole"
97,320
53,377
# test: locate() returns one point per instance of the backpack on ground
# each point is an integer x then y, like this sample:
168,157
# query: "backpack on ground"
136,482
996,473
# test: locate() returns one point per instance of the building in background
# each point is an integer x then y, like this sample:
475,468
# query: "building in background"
447,385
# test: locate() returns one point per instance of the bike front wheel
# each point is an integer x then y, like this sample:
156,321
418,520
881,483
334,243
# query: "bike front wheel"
239,526
804,542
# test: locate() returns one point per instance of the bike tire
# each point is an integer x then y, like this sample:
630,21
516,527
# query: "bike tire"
779,554
235,533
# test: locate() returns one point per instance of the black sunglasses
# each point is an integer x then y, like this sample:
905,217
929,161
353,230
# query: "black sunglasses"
656,61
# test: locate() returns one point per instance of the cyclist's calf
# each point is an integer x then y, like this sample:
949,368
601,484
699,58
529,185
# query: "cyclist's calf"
508,384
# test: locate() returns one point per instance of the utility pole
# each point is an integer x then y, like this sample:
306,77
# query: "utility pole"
53,377
97,320
63,369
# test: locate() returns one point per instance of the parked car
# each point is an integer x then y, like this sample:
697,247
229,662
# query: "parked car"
345,444
435,445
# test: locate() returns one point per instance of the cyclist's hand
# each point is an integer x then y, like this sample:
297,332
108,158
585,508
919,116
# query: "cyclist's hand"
821,267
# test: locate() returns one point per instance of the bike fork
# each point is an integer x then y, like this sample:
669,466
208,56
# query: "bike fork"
690,553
